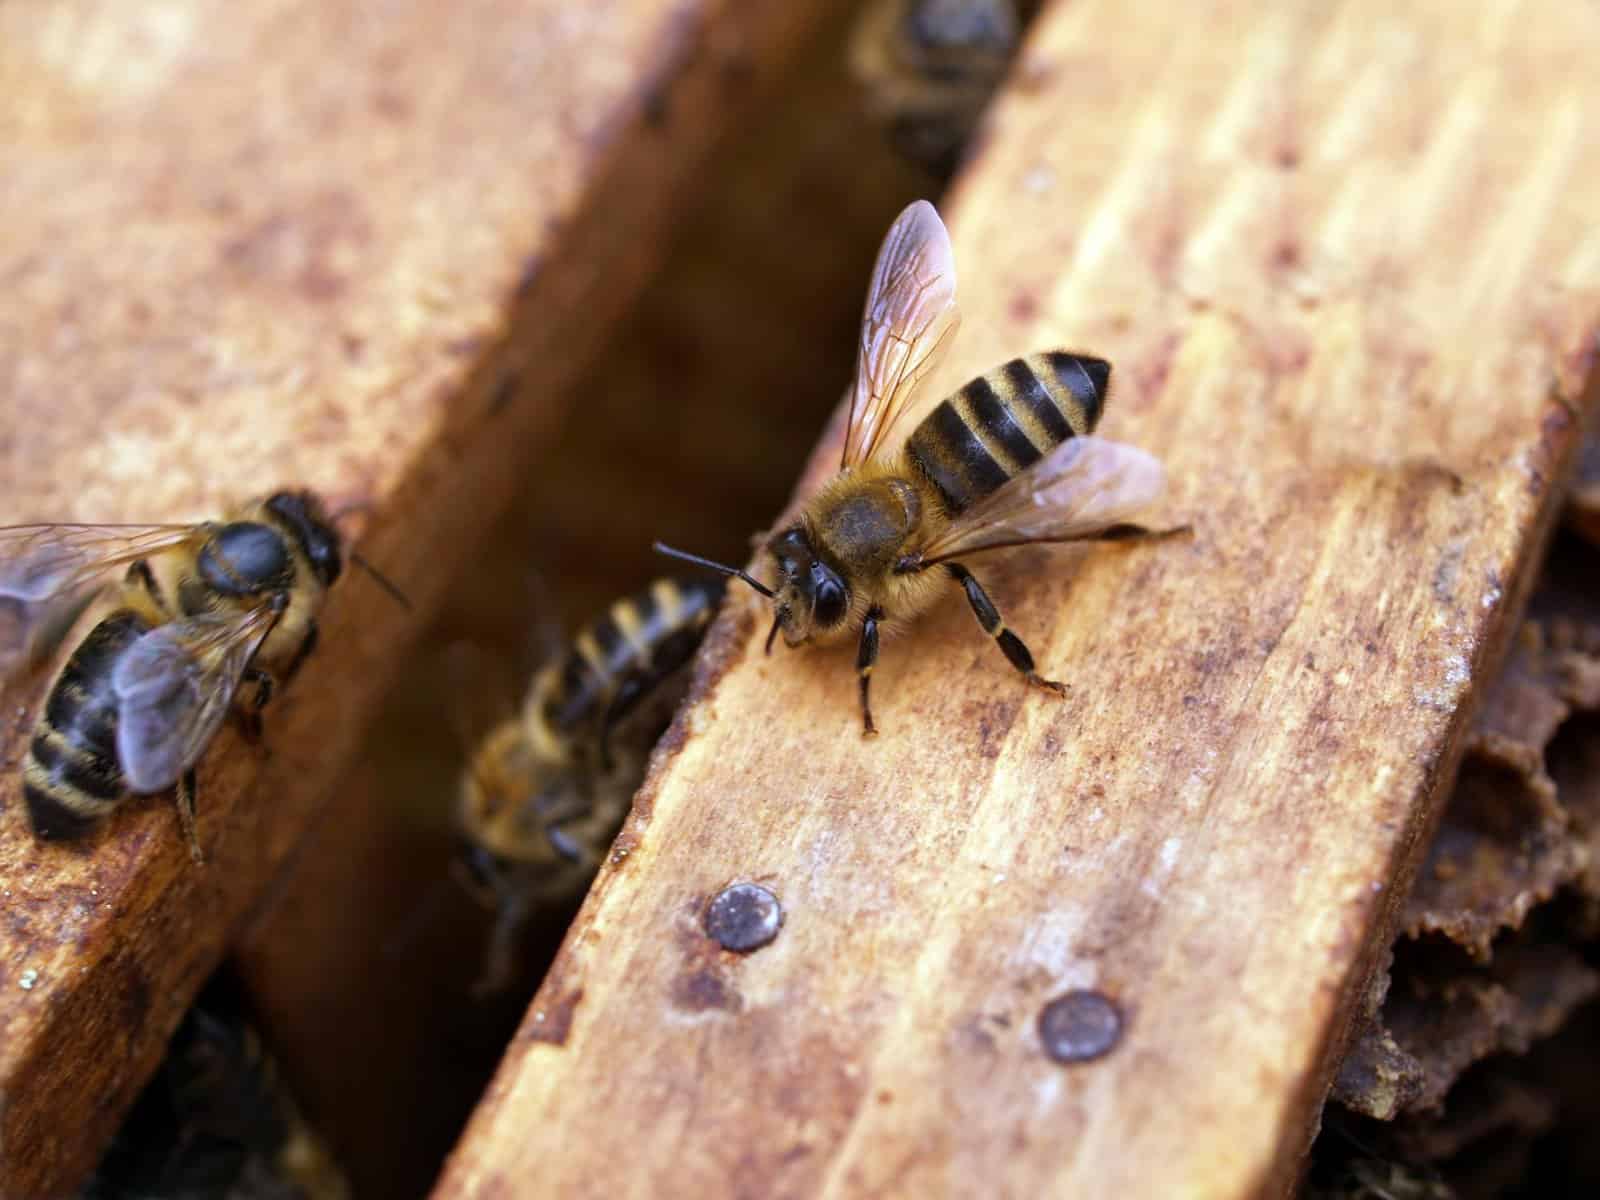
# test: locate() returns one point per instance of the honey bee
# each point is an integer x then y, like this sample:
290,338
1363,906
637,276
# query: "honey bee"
216,1120
202,610
928,67
548,790
1008,460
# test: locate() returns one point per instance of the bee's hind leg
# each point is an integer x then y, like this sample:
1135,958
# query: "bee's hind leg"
988,616
186,793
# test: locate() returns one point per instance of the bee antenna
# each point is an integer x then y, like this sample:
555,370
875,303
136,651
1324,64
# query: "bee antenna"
721,568
381,580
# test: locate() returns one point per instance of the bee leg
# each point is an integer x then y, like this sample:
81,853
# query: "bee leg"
866,658
250,717
989,617
264,686
186,790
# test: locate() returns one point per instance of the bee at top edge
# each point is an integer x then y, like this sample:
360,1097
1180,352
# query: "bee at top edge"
202,610
1009,459
546,792
928,68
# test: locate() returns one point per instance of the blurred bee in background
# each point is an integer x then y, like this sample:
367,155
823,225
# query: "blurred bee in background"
201,611
928,68
1007,460
546,791
216,1121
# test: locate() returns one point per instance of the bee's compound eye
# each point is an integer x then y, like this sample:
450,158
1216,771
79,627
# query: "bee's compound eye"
322,548
789,550
832,599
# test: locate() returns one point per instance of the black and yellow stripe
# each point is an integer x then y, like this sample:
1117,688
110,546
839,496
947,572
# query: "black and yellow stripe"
616,660
1004,421
72,776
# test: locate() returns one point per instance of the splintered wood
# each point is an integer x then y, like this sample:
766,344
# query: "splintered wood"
1345,261
294,244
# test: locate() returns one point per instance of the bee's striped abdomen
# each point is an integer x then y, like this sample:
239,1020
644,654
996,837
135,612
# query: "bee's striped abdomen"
617,659
72,777
1003,422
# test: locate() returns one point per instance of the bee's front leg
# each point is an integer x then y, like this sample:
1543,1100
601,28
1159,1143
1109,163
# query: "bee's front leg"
866,658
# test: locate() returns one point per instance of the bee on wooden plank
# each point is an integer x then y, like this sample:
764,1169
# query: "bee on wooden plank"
546,791
202,610
216,1120
1007,460
928,68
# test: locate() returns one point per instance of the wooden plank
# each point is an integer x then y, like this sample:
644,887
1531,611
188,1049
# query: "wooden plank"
296,243
368,950
1344,259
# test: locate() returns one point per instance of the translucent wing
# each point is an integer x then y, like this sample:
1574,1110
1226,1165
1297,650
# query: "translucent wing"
1082,487
31,633
39,562
910,315
173,688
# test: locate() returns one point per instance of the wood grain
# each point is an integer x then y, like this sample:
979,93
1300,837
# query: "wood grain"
320,244
1344,259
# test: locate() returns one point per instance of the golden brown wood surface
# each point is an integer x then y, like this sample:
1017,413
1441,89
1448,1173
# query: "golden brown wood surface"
307,243
1345,261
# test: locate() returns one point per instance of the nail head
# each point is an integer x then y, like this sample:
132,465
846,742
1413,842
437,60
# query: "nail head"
1079,1026
743,917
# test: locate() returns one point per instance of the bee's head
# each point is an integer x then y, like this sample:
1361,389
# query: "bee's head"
812,598
302,516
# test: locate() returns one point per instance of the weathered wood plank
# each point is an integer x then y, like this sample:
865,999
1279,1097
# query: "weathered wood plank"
302,243
1344,259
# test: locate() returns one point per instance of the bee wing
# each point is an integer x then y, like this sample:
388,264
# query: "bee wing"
39,562
1084,486
173,688
31,633
909,318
